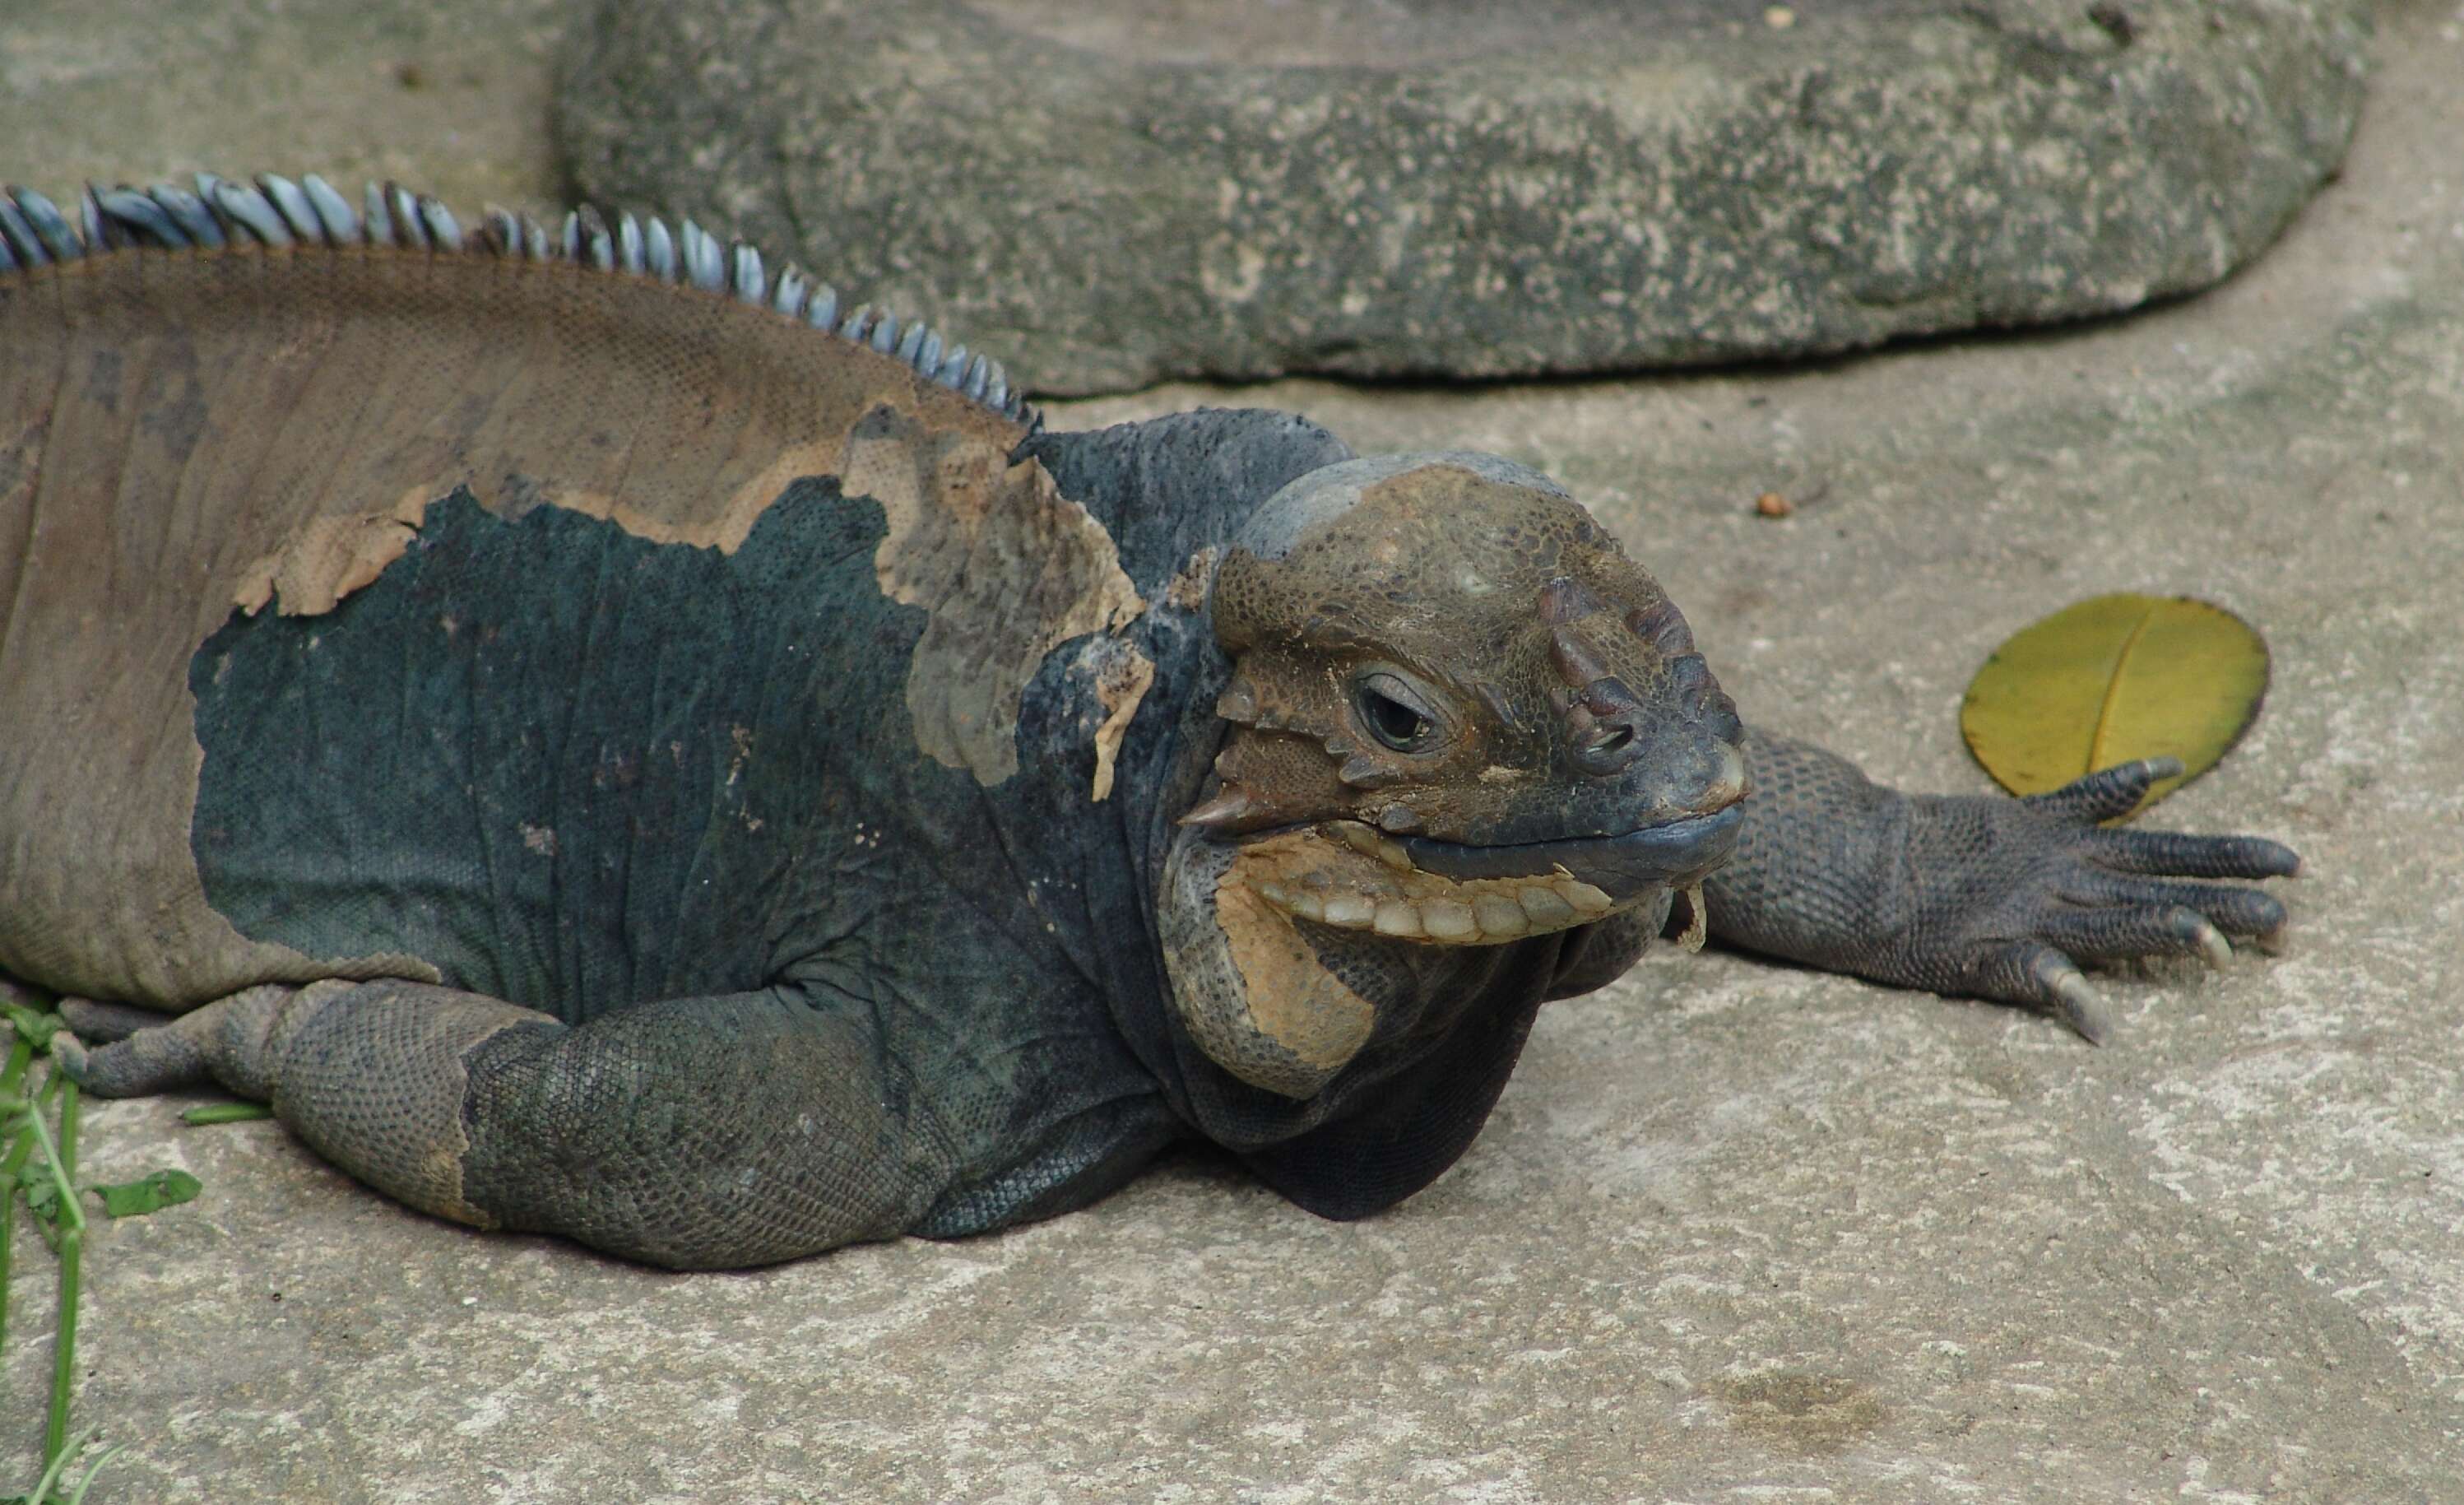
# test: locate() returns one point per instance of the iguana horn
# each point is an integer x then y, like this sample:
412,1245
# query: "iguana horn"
1226,808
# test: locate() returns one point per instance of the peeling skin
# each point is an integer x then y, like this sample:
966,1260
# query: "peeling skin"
1293,999
333,555
1698,921
1124,683
1187,590
328,558
1008,569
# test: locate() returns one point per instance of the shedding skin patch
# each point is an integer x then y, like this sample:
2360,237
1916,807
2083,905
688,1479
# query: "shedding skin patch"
329,557
1697,920
725,532
1124,681
1293,999
332,555
1346,874
1187,590
1007,568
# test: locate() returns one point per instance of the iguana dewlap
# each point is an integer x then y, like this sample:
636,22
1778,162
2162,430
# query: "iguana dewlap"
608,741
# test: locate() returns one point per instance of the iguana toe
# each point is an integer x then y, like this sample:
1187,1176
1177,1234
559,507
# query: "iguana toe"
97,1021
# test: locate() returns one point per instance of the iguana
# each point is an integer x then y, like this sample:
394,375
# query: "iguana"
608,741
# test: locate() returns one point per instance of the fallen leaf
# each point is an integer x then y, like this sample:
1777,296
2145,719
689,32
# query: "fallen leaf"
165,1188
2111,680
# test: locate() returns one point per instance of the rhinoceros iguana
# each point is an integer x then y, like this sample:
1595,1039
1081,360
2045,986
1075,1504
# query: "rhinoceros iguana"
608,742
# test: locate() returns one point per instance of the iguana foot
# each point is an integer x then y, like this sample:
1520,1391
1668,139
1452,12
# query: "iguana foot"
223,1041
1982,894
2082,893
97,1021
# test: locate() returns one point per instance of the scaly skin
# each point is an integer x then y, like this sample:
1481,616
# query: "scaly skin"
1978,895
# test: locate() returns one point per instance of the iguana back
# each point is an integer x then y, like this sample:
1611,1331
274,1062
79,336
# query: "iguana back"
265,426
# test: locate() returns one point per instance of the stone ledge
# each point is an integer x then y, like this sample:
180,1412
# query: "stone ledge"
1108,199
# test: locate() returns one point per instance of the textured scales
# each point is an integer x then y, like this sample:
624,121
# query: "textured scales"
271,423
607,741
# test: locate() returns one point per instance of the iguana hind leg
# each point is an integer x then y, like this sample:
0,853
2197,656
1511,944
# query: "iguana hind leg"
695,1133
96,1019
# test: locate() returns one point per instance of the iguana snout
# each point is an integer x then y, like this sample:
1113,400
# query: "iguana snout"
1459,713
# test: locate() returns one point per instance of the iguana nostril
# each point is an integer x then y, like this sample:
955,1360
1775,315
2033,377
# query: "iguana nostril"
1608,748
1601,726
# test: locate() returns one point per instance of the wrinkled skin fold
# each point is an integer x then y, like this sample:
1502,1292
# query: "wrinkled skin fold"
820,808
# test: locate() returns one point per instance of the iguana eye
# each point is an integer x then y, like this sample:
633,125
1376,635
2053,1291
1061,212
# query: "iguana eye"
1393,713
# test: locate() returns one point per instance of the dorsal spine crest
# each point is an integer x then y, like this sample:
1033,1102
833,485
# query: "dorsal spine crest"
275,211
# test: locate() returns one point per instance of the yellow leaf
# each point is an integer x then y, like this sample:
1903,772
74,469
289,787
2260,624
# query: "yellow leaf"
2111,680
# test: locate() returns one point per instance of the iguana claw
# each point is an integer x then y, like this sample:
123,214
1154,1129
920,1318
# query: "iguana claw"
2077,1004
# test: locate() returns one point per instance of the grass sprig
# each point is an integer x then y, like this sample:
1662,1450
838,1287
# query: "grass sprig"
43,1166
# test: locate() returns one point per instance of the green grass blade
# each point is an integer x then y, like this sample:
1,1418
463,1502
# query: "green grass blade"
58,1468
19,1056
68,1130
60,1165
77,1497
55,1429
224,1113
55,1424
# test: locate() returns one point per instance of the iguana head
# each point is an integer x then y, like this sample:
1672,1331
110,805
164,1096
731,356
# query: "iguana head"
1458,716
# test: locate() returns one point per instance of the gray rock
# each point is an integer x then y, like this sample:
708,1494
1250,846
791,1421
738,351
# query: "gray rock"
1448,187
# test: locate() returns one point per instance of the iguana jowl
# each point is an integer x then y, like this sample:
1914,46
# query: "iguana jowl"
607,743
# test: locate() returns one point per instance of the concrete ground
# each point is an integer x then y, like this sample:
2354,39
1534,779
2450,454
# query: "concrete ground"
1737,1232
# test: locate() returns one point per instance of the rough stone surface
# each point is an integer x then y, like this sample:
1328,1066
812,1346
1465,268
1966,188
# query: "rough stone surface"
1738,1232
452,98
1118,193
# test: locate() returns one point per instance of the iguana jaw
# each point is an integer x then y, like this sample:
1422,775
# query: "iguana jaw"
1676,853
1347,874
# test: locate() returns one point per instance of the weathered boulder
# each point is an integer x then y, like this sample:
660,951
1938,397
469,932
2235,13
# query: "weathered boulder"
1108,194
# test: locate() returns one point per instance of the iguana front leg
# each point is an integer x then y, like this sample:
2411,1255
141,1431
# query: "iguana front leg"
1978,895
697,1134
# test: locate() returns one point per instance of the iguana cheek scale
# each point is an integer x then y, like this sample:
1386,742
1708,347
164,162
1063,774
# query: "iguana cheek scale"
609,740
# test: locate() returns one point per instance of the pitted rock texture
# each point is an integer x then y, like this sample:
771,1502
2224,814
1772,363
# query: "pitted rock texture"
1110,196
